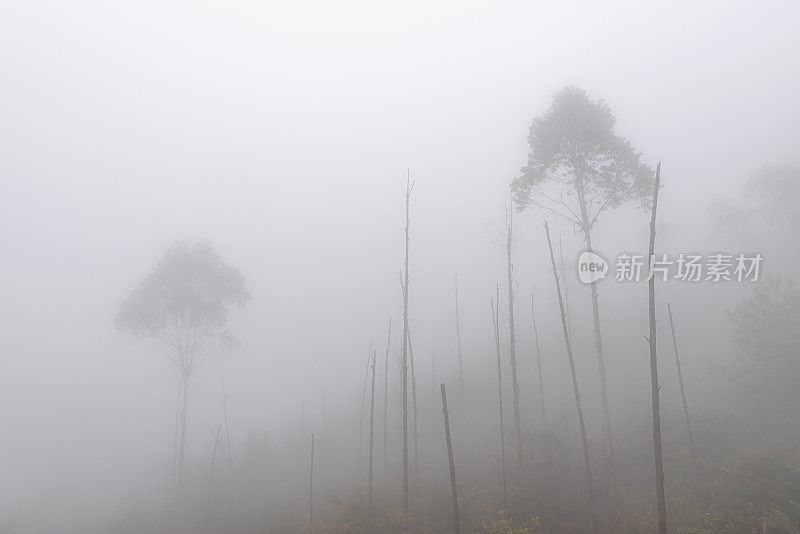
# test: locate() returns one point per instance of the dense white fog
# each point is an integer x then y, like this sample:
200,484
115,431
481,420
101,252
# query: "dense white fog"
282,134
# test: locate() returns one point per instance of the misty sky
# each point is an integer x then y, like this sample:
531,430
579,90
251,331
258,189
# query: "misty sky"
281,132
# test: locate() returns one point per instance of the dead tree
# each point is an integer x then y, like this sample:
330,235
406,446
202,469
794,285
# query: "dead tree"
458,337
386,409
363,406
496,322
659,462
509,245
506,240
404,353
683,393
453,491
414,410
539,361
311,484
576,390
371,427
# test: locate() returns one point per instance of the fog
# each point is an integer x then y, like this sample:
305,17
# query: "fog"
282,134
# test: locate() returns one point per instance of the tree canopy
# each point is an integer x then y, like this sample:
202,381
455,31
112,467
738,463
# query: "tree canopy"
184,300
577,166
767,324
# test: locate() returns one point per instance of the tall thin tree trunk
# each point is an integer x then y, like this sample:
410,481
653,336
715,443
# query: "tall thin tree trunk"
512,342
584,442
496,322
311,484
659,462
404,357
363,405
453,490
565,284
458,337
386,409
371,427
414,408
211,476
182,446
601,361
175,441
227,426
683,393
539,361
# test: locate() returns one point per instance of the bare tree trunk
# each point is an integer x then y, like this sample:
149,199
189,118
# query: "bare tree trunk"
227,426
414,408
211,476
496,322
584,442
386,409
659,462
371,427
539,361
566,285
683,393
363,405
458,337
311,484
601,361
512,344
404,357
453,491
182,446
175,442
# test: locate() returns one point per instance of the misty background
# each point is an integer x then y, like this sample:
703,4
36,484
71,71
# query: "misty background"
282,133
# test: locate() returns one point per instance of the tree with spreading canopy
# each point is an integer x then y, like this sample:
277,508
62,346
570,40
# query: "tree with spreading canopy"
577,169
182,305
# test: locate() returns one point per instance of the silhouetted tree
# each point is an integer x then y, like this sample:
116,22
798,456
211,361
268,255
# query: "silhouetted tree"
577,169
182,305
767,325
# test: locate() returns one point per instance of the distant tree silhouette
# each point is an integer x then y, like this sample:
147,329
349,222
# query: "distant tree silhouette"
182,305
